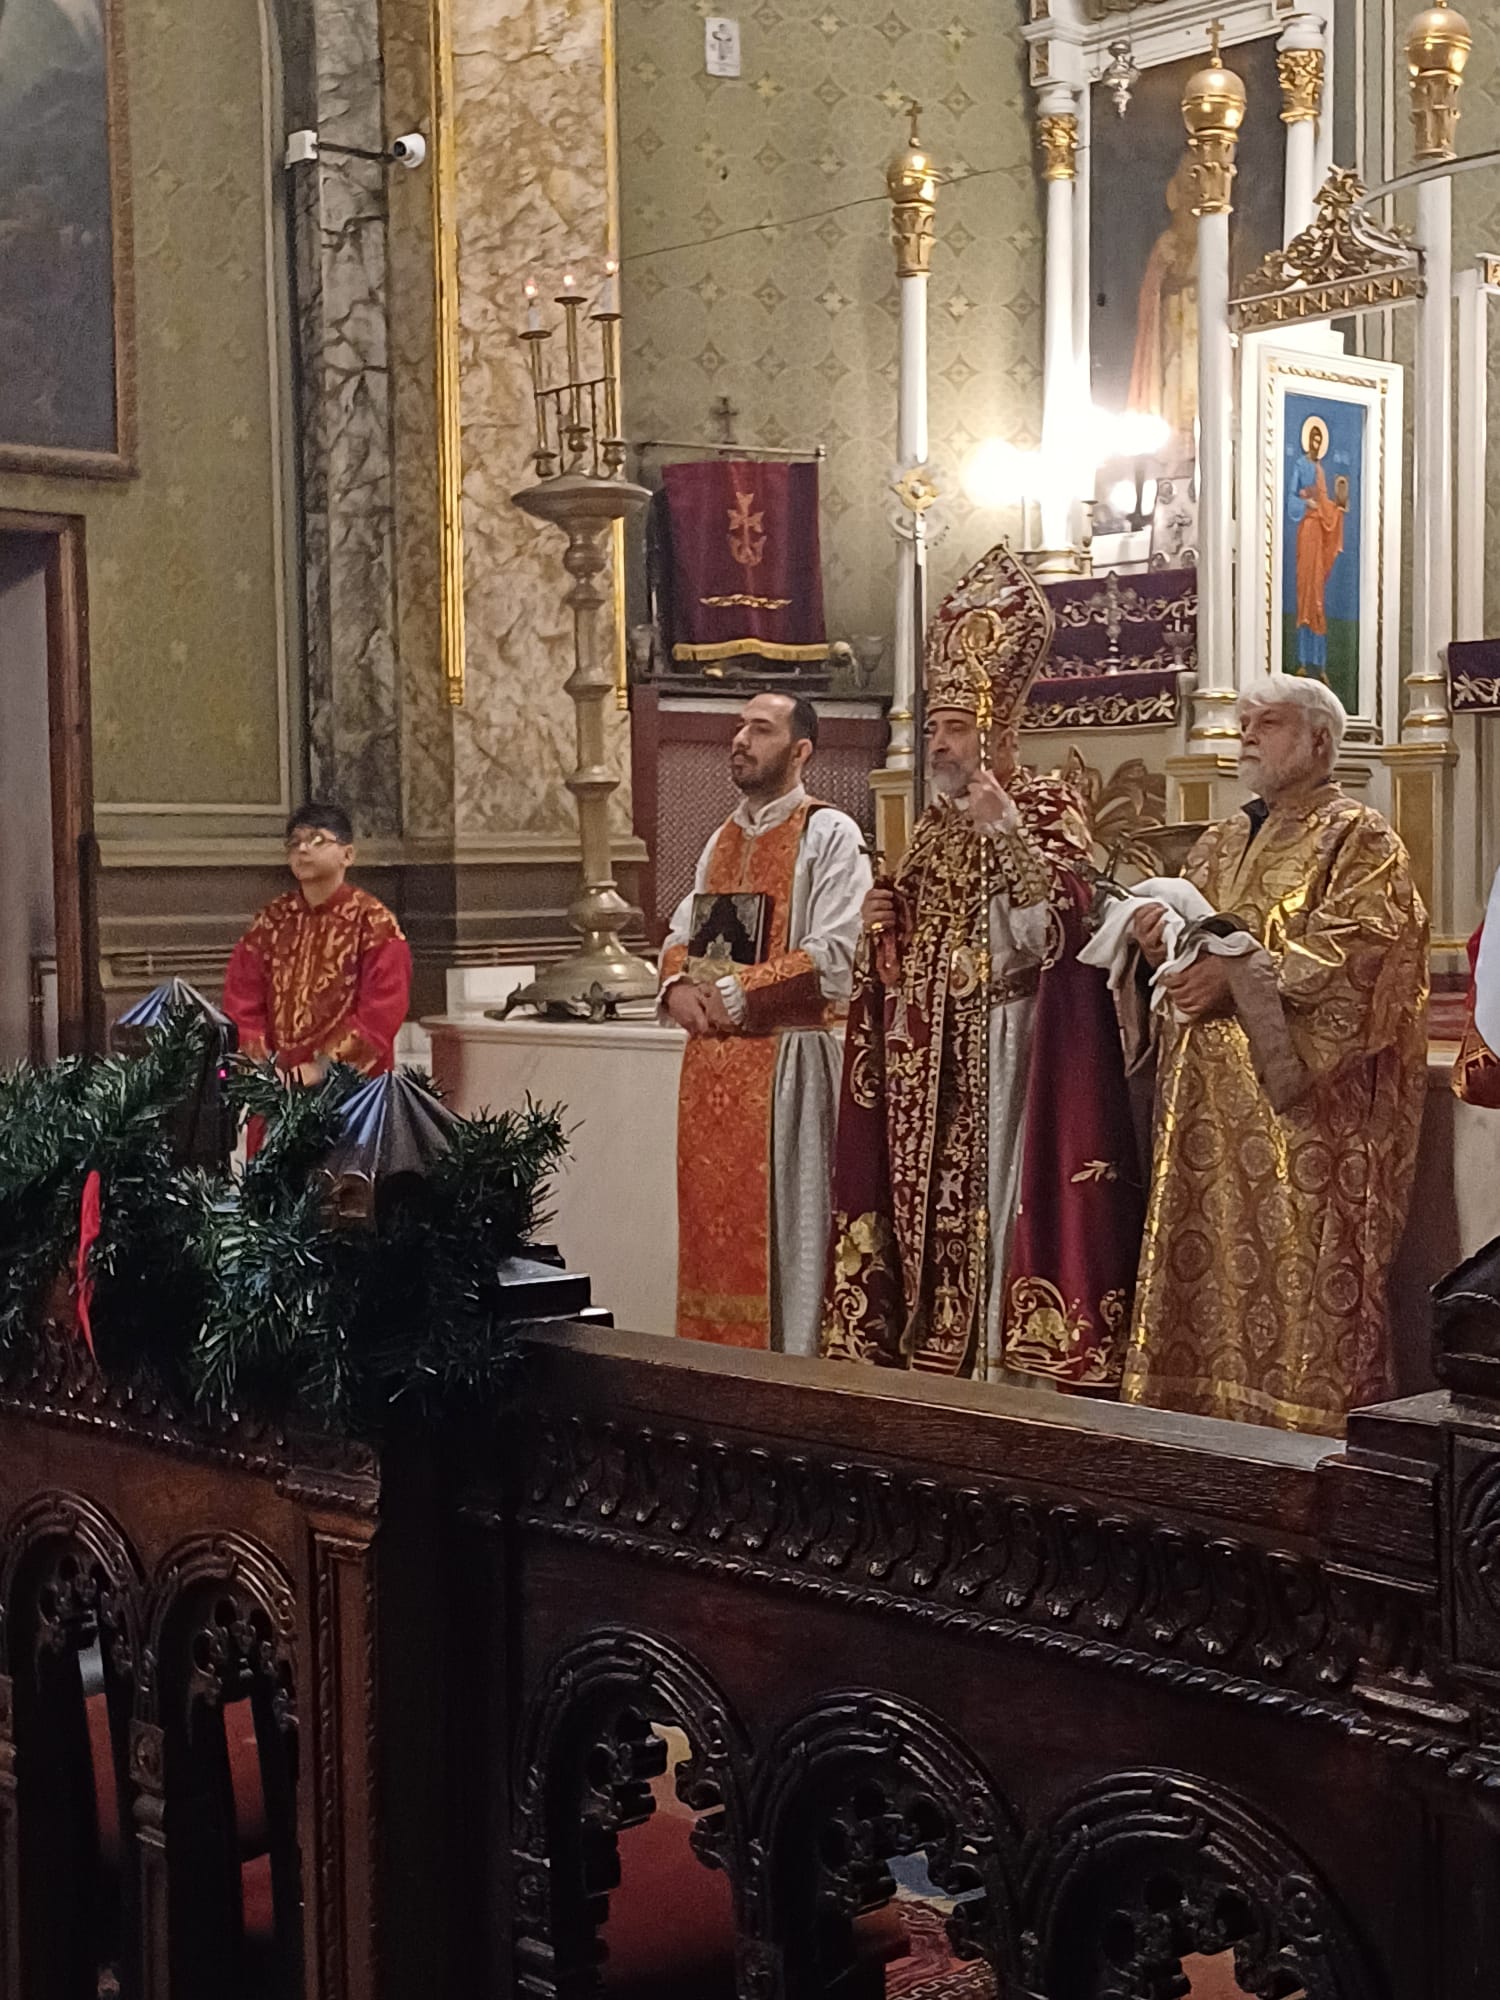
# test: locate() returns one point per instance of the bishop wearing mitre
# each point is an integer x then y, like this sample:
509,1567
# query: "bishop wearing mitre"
987,1205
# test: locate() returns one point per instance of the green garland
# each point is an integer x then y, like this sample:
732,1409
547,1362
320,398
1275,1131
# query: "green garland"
249,1296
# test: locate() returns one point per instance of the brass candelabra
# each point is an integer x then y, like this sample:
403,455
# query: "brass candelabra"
579,458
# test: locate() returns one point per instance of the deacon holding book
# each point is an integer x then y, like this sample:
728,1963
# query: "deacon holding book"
987,1204
757,969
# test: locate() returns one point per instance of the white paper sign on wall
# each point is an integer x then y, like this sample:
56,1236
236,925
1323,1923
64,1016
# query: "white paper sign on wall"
721,46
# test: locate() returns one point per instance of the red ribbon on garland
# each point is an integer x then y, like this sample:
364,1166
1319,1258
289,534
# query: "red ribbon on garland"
88,1235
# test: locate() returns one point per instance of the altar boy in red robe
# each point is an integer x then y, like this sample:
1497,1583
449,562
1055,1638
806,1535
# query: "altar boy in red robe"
323,975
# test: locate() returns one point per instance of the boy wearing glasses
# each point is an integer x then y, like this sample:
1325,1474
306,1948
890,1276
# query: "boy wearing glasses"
323,975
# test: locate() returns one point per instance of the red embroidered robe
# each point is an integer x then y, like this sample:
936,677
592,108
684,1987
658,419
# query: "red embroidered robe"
1476,1073
724,1105
912,1249
331,981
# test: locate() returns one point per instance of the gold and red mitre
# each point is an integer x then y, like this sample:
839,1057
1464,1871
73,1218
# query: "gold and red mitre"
988,641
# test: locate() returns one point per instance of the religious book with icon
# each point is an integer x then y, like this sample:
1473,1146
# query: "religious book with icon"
727,930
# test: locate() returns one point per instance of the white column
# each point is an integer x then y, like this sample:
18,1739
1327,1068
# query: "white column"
911,450
1213,700
912,186
1323,150
1083,383
1472,292
1426,719
1299,64
1057,132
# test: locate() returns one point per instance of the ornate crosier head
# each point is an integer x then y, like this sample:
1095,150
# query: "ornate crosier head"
988,641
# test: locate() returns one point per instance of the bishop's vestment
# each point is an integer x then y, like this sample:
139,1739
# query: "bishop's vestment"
756,1108
1286,1129
987,1207
331,980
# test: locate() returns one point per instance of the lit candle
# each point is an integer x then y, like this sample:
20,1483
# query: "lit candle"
608,306
533,310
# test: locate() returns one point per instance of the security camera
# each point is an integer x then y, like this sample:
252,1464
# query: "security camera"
301,147
410,149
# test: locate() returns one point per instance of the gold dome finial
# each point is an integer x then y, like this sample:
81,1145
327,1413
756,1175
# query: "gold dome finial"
911,183
1213,110
1437,48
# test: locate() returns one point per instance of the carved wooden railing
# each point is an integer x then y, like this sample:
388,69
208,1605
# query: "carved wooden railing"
194,1737
1137,1688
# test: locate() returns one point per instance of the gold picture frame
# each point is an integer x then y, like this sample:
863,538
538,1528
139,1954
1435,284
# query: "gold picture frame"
114,458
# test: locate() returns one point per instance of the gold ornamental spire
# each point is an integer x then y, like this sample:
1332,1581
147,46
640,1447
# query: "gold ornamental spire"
1437,47
1213,110
911,183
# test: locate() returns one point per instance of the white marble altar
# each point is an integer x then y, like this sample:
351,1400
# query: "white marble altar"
615,1202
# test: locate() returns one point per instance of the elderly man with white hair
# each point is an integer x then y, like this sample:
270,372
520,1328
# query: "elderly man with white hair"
1290,1081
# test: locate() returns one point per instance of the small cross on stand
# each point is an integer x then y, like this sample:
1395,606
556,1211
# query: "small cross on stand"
724,417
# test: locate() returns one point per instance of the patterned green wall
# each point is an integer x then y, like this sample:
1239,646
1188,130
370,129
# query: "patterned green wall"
186,566
797,325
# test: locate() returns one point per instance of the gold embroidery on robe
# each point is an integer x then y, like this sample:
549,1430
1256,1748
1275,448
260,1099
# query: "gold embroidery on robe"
1262,1288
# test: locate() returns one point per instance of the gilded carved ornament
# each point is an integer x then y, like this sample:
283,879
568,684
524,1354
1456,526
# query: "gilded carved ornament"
1213,110
1300,72
911,183
1344,261
1057,135
1437,48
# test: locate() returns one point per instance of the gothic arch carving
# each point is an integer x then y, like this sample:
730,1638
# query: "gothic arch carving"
250,1628
587,1758
94,1580
862,1777
1150,1867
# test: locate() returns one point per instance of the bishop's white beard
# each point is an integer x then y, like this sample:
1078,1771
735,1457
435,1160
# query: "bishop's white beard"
950,783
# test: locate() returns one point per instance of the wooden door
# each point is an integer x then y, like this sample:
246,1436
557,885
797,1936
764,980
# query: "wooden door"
44,556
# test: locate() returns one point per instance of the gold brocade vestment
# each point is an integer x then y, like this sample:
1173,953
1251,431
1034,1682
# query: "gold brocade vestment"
1269,1234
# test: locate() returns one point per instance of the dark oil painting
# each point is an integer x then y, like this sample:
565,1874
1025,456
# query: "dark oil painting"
1143,240
64,406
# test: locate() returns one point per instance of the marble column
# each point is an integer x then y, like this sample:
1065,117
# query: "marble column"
1213,109
535,198
1299,69
339,227
1057,138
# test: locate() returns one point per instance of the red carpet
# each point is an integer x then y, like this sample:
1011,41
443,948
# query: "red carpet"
931,1972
